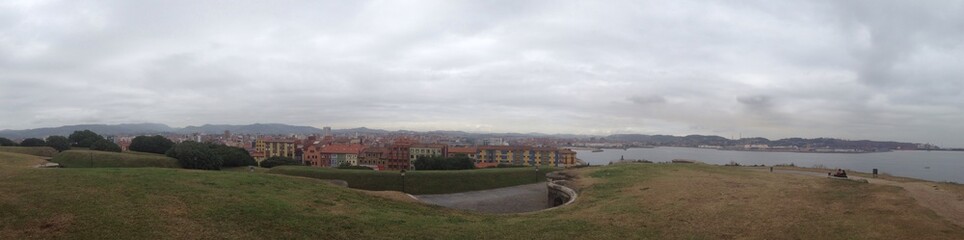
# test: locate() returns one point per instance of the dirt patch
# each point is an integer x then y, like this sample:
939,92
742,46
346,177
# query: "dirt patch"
945,203
944,199
51,227
393,195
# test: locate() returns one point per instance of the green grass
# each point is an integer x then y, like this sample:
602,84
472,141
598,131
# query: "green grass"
422,182
652,201
100,159
36,151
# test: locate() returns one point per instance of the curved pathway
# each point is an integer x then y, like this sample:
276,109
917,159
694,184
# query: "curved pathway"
946,204
517,199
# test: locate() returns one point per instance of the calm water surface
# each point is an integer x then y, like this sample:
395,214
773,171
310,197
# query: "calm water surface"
928,165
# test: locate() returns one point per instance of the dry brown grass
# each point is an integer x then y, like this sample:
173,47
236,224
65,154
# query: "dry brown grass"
725,203
884,176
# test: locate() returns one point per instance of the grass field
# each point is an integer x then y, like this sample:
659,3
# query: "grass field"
422,182
36,151
630,201
101,159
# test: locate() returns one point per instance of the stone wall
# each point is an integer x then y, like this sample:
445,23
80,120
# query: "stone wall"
559,193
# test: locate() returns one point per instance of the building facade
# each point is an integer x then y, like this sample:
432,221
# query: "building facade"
426,150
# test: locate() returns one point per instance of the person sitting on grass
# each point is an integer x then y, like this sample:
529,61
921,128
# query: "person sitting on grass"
839,173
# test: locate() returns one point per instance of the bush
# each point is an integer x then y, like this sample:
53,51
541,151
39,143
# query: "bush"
444,163
279,161
151,144
60,143
84,138
7,142
194,155
105,145
233,156
347,166
33,142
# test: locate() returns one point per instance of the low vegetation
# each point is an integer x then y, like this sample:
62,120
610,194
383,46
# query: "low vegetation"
60,143
33,142
623,201
422,182
36,151
152,144
279,161
6,142
460,162
195,155
100,159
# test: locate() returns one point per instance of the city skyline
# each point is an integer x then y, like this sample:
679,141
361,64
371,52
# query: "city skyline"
848,70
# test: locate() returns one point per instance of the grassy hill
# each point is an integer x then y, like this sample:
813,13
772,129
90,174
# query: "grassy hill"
422,182
654,201
101,159
36,151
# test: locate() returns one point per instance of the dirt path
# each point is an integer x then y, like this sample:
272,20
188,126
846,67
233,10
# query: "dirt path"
945,203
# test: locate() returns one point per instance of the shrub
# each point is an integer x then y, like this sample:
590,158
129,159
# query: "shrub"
105,145
444,163
347,166
7,142
151,144
84,138
279,161
60,143
233,156
194,155
33,142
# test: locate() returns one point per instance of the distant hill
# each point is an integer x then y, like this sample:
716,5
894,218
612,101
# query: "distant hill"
257,128
103,129
284,129
156,128
696,140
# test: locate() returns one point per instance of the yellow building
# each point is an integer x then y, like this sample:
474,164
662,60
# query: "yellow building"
525,155
275,148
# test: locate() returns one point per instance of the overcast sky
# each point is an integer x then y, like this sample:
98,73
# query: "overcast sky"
881,70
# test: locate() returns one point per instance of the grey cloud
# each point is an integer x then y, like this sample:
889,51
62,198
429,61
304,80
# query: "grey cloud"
794,68
762,102
647,100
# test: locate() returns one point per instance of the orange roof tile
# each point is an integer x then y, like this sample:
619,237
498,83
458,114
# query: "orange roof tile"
342,148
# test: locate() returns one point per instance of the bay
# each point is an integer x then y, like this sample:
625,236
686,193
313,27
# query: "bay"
927,165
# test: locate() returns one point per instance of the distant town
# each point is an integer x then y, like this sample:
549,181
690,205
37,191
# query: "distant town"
397,150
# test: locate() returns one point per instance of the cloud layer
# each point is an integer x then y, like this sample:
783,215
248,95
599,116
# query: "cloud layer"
888,70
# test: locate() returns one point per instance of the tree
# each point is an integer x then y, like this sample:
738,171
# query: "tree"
105,145
84,138
151,144
443,163
60,143
195,155
279,161
7,142
33,142
233,156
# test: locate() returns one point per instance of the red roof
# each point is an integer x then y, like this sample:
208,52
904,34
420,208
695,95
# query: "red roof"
342,148
470,150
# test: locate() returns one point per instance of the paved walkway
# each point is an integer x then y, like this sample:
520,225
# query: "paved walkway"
945,203
522,198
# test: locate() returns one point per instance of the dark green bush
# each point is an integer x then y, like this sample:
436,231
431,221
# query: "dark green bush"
194,155
279,161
